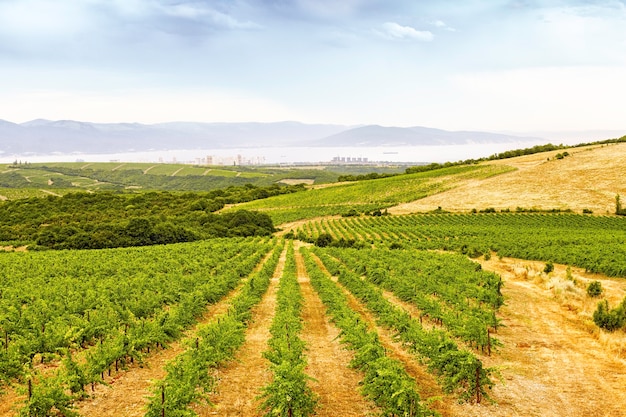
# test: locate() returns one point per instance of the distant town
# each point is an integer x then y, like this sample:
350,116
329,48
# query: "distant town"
240,160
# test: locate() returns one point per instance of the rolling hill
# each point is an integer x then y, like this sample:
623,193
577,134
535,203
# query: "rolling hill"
589,178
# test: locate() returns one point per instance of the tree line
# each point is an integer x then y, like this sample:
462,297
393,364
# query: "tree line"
107,219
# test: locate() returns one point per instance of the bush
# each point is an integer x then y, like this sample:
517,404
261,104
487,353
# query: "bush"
323,240
351,213
549,267
608,319
594,289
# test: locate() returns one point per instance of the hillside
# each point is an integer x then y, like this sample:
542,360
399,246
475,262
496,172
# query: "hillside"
587,179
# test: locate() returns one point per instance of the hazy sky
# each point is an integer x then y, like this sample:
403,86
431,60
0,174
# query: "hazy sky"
453,64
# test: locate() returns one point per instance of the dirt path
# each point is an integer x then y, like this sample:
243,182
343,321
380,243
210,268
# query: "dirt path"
293,226
145,171
50,192
551,363
336,384
177,171
240,381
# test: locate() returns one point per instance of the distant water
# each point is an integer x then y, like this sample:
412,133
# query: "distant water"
415,154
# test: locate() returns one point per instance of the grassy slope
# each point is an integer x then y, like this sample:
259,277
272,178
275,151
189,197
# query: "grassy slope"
588,179
370,195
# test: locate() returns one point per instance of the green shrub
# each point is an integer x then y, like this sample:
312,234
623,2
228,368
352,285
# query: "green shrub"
323,240
608,319
594,289
549,267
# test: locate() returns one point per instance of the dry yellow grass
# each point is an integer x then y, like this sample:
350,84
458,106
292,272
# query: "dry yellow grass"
587,179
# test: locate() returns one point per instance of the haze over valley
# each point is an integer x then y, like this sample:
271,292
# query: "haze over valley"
257,143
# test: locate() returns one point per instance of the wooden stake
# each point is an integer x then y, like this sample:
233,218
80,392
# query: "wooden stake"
163,401
477,384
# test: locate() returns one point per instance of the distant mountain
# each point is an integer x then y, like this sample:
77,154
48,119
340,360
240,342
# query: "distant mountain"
375,135
68,136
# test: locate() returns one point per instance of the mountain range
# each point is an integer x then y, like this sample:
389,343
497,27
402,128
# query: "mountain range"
67,136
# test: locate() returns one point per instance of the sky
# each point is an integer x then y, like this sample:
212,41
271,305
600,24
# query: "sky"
495,65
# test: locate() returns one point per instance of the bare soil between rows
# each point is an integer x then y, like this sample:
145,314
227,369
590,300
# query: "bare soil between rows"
328,362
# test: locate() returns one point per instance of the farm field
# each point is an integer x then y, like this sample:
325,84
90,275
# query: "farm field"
423,313
61,178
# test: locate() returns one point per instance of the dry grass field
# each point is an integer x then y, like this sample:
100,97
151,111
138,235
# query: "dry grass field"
587,179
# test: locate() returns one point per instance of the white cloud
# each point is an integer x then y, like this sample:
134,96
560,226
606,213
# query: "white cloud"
199,12
393,30
443,25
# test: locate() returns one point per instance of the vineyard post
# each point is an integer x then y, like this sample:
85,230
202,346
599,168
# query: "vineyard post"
488,342
30,388
163,401
478,384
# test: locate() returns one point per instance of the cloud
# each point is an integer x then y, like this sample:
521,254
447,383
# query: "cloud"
56,21
200,13
443,25
392,30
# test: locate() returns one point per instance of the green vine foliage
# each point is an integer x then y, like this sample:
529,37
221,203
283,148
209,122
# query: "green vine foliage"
288,395
459,370
48,398
385,380
189,379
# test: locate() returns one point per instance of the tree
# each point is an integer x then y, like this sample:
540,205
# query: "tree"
618,206
323,240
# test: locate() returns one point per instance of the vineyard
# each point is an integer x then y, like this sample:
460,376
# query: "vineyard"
347,310
596,243
421,323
